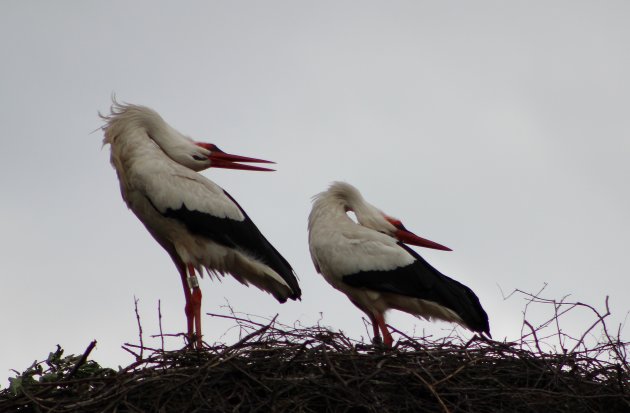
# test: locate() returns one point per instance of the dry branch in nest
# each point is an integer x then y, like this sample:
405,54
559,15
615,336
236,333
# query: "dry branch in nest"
275,367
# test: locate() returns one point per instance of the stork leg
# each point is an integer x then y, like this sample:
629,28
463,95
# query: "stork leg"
377,333
192,294
187,295
387,337
195,305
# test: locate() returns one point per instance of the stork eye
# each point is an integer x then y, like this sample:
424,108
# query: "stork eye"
198,158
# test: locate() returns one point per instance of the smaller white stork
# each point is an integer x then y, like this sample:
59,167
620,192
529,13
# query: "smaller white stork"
370,263
198,223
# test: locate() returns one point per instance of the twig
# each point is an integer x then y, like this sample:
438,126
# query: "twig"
600,319
160,323
135,302
82,360
235,318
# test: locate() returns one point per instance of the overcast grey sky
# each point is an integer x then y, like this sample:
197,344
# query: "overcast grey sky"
500,129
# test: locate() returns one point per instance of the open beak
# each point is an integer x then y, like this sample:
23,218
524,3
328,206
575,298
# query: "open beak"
220,159
408,237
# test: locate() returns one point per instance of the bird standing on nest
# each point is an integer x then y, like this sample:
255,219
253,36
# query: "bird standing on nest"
199,224
369,262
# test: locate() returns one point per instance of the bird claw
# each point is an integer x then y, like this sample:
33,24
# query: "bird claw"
193,342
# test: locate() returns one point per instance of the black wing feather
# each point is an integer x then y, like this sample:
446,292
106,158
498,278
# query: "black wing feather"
243,235
421,280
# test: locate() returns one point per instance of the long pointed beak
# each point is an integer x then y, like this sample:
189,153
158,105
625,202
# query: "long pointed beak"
408,237
220,159
229,161
411,238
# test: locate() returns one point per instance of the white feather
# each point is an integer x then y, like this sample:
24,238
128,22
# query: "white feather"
156,168
340,247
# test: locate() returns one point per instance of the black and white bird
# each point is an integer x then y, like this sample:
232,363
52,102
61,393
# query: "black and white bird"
369,262
198,223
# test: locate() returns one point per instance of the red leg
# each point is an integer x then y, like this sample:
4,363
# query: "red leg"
387,337
188,307
377,333
195,304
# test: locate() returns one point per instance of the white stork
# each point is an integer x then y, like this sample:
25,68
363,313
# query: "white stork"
370,263
198,223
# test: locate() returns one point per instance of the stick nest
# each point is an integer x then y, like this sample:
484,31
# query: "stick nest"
275,367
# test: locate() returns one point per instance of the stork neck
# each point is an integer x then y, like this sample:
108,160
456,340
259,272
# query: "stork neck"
328,210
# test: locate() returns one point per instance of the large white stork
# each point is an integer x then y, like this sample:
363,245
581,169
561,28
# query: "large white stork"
198,223
369,262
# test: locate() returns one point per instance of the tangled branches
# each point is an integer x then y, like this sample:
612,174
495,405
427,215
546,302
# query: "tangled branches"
275,367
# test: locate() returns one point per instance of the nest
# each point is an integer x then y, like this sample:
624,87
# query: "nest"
275,367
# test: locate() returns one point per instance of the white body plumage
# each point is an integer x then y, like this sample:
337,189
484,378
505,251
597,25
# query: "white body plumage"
368,261
195,220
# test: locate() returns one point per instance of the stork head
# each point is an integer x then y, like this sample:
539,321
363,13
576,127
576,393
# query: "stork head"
371,217
201,155
135,123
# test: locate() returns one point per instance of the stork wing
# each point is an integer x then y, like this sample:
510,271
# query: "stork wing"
339,249
421,280
209,211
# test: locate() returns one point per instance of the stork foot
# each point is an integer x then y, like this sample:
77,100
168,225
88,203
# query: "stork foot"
191,341
377,341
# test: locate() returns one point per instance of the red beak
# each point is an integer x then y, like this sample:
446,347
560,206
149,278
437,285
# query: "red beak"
408,237
220,159
411,238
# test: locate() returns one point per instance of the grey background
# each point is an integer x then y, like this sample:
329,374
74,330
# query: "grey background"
500,129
